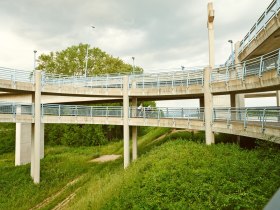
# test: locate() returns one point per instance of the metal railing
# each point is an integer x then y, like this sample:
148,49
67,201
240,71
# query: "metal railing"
16,75
255,66
16,108
102,81
262,116
78,110
166,112
261,23
167,79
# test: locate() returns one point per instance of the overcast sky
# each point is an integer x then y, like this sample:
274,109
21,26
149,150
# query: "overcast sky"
160,34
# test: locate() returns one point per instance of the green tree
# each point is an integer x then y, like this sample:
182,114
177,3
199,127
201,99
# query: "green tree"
71,61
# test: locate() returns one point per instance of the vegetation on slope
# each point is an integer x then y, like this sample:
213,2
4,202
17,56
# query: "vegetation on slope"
169,174
186,175
60,167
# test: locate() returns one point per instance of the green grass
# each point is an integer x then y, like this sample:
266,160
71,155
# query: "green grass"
60,166
170,173
186,175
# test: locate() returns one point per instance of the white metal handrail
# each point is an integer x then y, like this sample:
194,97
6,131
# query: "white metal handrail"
16,75
167,112
261,23
253,115
255,66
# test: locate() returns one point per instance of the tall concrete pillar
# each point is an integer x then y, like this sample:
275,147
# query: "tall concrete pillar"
210,25
125,123
208,99
36,128
134,131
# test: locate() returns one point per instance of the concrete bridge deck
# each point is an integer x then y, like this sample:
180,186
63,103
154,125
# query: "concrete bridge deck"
262,123
254,75
264,35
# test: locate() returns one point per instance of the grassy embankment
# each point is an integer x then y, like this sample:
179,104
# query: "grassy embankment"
175,175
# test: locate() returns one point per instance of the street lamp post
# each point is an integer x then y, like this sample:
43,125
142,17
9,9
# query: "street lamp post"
35,51
133,67
231,43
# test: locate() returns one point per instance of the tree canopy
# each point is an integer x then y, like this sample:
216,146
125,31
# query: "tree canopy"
71,61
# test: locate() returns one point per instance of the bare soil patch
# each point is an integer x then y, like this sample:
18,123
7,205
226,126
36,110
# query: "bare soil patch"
105,158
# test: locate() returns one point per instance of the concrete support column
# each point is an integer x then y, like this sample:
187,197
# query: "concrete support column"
125,123
36,130
208,99
134,131
23,143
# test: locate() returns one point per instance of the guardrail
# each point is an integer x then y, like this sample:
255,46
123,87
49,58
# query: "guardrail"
16,75
260,116
185,77
166,112
261,23
16,108
167,79
78,110
263,116
102,81
255,66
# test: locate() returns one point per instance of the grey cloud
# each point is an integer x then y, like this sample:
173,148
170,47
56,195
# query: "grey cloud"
174,30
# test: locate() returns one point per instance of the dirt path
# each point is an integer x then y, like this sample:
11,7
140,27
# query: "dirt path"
105,158
48,200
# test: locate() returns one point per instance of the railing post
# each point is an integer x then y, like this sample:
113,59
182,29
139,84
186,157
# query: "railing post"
227,74
91,111
261,67
278,61
59,110
245,118
107,109
14,110
188,74
229,116
144,112
263,119
244,70
42,110
173,80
